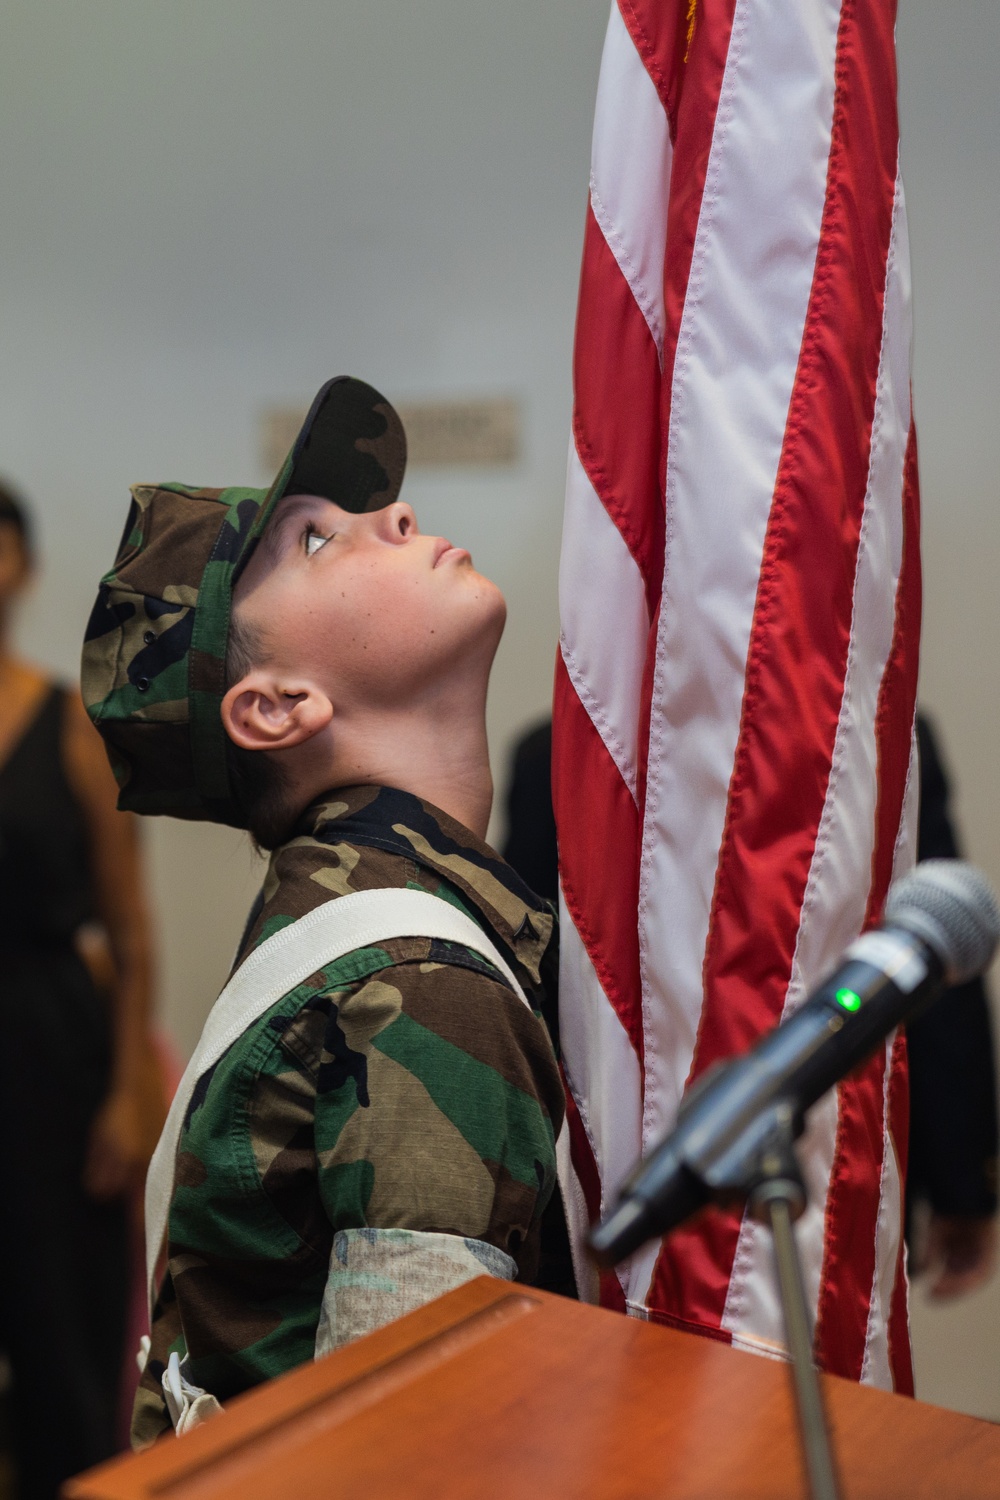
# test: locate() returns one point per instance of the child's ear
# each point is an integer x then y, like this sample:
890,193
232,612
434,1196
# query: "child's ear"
261,713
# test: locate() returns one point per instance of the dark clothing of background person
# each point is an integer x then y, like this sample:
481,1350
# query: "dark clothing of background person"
953,1102
530,849
531,820
63,1255
953,1099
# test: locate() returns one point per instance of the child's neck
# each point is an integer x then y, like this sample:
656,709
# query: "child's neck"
440,757
448,768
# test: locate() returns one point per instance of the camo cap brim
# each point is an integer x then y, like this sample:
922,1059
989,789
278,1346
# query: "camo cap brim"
153,668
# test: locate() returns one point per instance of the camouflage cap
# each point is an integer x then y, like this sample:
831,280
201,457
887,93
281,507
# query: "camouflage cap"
153,673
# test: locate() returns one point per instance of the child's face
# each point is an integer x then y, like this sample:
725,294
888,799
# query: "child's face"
366,604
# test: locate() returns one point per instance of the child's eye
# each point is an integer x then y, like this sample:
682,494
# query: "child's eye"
313,540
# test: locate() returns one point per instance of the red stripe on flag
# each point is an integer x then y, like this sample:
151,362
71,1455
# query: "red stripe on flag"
646,705
689,81
692,1272
598,827
799,643
852,1207
583,1154
900,1356
688,1325
616,416
694,127
585,1166
898,693
853,1200
660,35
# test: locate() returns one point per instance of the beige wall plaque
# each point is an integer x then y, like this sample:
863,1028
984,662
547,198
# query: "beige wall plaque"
483,434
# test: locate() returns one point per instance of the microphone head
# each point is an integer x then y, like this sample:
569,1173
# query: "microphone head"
951,905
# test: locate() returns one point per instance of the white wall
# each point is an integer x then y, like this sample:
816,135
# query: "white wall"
209,206
951,131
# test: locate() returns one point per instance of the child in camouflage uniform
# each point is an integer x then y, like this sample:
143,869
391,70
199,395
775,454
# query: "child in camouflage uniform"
304,663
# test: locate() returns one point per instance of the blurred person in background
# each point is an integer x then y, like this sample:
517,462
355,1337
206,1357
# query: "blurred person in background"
951,1207
80,1105
951,1183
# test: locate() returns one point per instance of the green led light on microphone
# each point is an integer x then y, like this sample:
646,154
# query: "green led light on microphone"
849,999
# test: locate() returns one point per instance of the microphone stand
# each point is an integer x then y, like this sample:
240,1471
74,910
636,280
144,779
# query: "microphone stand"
757,1166
776,1196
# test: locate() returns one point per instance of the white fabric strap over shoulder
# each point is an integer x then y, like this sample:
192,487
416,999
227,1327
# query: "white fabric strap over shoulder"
189,1405
277,966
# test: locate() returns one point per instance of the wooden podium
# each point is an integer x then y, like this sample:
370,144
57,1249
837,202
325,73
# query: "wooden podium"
495,1390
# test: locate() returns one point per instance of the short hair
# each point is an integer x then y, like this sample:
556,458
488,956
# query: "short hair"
14,512
259,786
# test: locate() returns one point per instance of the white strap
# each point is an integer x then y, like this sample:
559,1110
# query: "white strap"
276,967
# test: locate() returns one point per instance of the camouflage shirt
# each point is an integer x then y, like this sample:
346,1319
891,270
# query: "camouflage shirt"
403,1087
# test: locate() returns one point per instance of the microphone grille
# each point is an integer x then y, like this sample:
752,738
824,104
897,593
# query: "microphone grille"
951,905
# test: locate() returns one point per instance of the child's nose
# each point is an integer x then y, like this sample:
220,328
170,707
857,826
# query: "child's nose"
397,521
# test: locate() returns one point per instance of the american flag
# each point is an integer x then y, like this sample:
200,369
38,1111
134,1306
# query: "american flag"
733,762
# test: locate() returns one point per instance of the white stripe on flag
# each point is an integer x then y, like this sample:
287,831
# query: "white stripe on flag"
630,172
737,354
905,854
753,1308
604,649
836,896
600,1064
875,1367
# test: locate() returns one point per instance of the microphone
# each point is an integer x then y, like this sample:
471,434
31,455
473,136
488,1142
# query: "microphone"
941,927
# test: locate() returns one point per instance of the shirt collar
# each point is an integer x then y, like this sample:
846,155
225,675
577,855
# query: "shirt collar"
399,822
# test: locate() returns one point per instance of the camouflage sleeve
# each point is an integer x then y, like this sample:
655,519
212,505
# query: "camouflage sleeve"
437,1109
377,1275
418,1096
150,1417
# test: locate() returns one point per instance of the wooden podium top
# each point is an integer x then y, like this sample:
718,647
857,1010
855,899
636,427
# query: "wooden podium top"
498,1390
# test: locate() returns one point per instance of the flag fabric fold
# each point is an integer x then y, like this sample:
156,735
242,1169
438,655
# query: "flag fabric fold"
733,764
